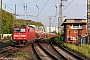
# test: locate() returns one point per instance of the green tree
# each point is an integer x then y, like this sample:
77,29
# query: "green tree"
7,20
19,22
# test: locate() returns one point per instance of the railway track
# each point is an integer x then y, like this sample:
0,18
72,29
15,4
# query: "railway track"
34,51
60,52
42,54
68,54
44,51
56,51
7,51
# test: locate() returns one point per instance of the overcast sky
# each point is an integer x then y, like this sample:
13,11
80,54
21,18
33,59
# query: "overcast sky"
46,8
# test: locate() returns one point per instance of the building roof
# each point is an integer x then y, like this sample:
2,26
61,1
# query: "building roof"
74,21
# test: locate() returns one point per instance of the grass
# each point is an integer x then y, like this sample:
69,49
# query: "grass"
23,55
83,49
61,42
47,38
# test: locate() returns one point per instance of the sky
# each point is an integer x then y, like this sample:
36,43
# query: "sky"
43,9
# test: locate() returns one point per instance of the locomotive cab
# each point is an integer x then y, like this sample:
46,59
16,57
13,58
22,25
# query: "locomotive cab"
19,35
22,35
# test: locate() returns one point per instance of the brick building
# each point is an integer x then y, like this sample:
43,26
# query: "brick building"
73,29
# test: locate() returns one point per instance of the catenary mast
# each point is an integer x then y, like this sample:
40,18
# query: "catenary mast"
88,18
0,19
60,20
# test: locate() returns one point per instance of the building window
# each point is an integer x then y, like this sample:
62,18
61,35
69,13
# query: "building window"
72,38
75,26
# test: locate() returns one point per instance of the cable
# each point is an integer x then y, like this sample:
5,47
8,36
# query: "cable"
8,7
23,0
68,4
40,3
23,5
31,2
55,7
66,7
56,13
17,2
42,7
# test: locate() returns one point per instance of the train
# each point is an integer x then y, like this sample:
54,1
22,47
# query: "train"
22,35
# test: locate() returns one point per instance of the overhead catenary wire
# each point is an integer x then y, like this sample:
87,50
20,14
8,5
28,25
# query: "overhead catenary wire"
31,2
8,7
23,4
40,3
11,9
38,6
25,8
17,2
68,5
43,7
55,13
56,8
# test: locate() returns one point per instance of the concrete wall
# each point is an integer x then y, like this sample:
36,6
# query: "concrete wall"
5,36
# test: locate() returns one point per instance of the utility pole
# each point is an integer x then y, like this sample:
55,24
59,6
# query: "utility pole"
88,19
15,13
60,20
88,16
50,23
1,20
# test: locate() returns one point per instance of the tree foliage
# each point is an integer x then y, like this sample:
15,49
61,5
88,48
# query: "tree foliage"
19,22
9,22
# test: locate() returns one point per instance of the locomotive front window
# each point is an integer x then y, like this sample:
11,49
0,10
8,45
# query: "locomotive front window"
19,30
22,30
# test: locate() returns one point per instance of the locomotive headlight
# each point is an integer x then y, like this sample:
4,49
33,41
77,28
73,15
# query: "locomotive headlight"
14,38
24,38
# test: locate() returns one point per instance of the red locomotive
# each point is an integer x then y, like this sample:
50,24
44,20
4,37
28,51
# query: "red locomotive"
23,35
